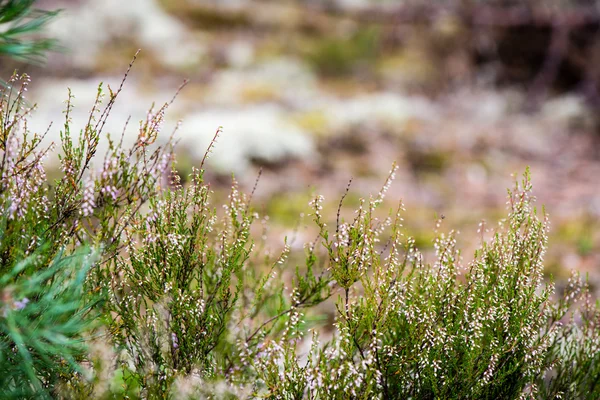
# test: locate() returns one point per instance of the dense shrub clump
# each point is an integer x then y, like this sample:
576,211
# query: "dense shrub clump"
118,281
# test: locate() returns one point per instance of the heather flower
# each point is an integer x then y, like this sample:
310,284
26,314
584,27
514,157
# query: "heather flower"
20,304
88,203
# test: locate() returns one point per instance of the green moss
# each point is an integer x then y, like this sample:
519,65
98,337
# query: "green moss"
260,93
553,269
205,16
285,208
578,233
411,68
424,239
427,160
352,200
334,55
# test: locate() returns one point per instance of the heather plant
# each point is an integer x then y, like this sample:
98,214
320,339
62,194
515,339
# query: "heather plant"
44,227
186,296
573,355
85,204
44,316
189,302
177,284
97,204
487,329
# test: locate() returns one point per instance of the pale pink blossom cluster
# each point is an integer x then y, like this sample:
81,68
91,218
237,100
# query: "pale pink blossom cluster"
386,185
317,205
24,184
89,199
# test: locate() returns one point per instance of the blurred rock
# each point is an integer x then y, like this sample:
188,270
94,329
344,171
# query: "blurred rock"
571,111
252,133
389,110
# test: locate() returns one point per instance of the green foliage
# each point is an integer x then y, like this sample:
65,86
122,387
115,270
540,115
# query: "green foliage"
573,354
43,322
43,231
335,56
24,21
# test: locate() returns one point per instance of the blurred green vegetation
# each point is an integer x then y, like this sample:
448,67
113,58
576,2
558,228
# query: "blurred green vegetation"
19,23
579,233
338,56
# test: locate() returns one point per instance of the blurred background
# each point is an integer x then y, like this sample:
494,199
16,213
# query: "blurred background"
462,94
